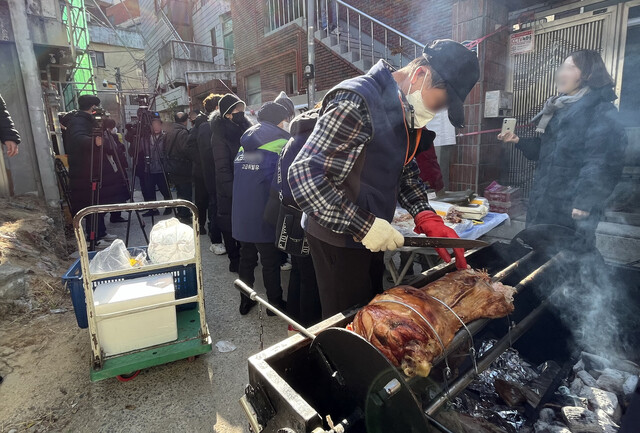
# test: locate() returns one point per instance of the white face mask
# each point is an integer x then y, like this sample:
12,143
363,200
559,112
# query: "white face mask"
286,126
422,115
114,130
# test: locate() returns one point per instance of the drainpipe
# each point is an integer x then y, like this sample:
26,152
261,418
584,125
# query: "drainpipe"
45,173
186,81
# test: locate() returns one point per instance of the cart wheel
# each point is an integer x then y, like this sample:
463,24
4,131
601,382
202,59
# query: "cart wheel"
128,377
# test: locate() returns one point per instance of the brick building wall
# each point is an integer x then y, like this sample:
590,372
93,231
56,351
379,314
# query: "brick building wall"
422,20
278,53
476,160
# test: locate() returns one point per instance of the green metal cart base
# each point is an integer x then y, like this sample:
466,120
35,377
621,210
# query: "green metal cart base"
188,344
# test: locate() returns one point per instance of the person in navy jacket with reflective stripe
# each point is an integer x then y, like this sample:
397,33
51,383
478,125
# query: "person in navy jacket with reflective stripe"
254,168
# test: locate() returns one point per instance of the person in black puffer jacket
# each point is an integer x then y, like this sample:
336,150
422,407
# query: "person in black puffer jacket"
579,150
9,135
210,105
227,126
80,144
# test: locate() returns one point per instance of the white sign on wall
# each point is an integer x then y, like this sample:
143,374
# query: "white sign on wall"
521,42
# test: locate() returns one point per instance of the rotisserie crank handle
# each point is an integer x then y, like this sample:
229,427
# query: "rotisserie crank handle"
248,291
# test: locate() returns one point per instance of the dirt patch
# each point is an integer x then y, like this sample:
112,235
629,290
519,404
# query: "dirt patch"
33,255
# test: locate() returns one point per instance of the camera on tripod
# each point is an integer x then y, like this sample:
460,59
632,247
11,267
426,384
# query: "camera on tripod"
99,115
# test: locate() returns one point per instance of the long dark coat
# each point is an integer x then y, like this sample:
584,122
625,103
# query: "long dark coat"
579,162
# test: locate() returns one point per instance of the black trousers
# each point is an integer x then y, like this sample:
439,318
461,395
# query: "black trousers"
201,199
214,231
346,276
269,259
303,300
148,183
184,190
232,246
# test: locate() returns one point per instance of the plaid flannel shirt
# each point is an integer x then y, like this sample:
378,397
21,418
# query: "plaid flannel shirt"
327,158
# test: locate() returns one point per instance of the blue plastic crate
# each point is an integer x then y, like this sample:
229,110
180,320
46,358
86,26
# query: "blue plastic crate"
184,281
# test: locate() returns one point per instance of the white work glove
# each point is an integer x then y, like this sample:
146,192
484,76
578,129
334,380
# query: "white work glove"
382,237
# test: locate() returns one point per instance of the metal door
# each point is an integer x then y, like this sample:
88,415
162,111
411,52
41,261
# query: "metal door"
533,73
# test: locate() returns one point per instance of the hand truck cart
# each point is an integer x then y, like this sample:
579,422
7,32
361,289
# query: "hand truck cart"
193,333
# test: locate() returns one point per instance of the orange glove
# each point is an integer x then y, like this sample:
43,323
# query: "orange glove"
430,224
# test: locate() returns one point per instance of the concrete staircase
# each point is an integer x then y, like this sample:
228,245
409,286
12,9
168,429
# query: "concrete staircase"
361,39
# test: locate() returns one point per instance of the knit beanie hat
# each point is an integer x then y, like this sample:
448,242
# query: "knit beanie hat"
287,103
228,102
273,113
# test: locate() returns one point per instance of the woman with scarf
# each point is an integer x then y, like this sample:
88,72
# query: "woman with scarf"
579,151
227,126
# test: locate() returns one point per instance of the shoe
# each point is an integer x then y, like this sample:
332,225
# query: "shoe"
218,249
118,219
246,305
280,305
151,212
167,211
286,266
107,237
233,266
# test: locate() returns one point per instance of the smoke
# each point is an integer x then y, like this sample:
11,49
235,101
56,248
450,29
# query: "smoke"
599,304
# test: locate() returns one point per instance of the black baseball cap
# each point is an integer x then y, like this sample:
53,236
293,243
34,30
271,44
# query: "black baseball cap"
458,66
87,101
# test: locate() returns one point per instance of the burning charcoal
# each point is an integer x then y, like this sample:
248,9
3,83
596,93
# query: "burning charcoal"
630,385
578,366
586,378
543,427
605,400
576,386
594,362
605,422
570,399
612,380
539,386
463,423
629,367
581,420
510,392
547,415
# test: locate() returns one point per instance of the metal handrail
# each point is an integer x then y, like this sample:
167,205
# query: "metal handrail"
173,30
322,17
380,23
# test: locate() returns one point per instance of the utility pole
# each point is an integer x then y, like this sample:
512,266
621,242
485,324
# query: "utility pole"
310,68
123,115
46,176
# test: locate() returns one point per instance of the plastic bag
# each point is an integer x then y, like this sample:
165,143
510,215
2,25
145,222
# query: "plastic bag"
113,258
171,241
225,346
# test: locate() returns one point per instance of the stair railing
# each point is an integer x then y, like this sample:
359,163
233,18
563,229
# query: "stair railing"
330,12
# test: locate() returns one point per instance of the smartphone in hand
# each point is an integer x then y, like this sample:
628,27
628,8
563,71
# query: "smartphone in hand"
508,125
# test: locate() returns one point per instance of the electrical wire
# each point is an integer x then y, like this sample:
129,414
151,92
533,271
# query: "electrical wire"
124,44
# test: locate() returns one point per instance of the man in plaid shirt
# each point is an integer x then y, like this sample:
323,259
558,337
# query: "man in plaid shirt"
358,162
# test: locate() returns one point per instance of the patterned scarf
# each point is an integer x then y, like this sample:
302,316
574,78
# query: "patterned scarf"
554,104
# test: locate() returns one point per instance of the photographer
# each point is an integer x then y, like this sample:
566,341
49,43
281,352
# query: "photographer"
178,161
114,185
81,145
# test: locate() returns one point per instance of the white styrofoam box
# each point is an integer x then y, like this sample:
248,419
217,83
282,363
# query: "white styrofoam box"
138,330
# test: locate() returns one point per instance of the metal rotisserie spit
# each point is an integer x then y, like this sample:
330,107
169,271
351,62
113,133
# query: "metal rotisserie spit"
333,380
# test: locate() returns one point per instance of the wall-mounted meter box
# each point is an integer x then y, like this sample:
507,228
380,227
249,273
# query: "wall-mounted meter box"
498,103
